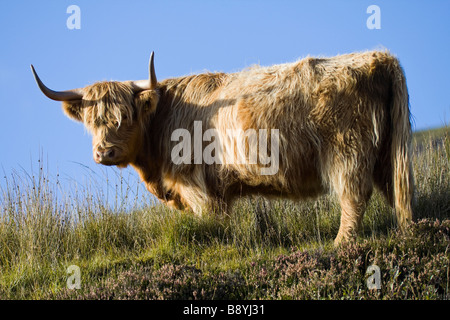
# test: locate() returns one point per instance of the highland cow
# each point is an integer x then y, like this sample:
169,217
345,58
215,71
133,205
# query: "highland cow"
343,125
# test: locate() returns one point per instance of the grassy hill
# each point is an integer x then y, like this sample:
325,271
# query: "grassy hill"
277,250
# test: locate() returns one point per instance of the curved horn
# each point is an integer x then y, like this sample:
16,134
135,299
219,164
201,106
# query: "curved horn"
68,95
151,83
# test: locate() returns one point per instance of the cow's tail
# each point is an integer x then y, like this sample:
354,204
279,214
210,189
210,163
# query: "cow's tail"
403,183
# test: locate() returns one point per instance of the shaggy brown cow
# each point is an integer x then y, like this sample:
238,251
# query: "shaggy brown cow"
340,123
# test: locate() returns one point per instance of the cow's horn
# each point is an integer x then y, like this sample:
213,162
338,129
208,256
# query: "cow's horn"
149,84
68,95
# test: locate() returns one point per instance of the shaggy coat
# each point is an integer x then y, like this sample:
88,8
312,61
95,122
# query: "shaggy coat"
343,124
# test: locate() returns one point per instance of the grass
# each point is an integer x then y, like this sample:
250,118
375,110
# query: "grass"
281,250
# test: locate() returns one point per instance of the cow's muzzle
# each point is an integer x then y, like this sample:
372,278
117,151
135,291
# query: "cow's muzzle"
106,156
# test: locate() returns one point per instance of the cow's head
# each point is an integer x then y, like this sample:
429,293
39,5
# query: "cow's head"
114,112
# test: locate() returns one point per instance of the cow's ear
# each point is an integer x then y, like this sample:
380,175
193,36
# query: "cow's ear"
146,101
73,109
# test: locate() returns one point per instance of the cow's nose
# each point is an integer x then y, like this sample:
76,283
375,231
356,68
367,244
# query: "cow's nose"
105,155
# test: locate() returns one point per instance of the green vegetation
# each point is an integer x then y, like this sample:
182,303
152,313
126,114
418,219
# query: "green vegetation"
281,250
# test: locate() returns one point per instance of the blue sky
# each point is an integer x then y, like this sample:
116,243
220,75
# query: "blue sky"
116,38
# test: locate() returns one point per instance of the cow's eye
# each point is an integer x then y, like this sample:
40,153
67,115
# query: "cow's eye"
118,124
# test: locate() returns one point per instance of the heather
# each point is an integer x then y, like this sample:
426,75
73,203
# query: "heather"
408,272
